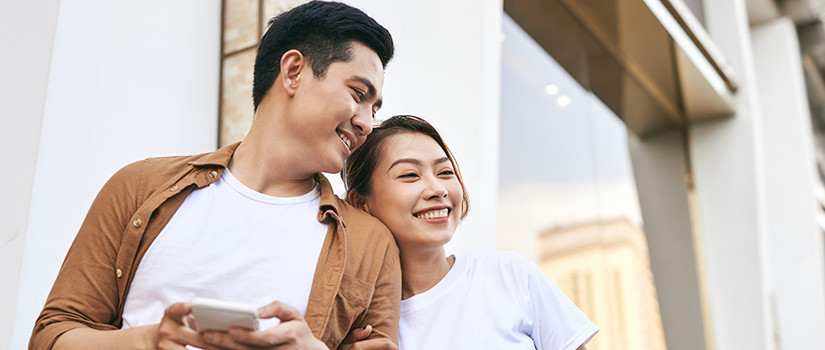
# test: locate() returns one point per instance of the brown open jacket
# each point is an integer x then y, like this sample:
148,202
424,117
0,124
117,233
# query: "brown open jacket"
357,280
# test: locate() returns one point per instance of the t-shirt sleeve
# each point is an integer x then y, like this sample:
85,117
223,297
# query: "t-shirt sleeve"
557,322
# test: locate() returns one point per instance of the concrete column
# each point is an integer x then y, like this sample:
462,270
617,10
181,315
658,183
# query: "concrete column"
659,167
794,238
126,80
27,29
729,174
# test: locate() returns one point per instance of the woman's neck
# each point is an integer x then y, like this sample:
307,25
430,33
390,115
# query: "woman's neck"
422,271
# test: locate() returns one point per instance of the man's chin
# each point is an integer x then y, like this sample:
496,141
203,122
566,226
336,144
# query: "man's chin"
334,168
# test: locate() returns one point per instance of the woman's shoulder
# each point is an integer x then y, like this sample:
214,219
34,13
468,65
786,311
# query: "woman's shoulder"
498,258
502,264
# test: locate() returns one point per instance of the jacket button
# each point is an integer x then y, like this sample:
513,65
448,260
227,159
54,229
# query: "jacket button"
213,174
119,273
173,188
136,223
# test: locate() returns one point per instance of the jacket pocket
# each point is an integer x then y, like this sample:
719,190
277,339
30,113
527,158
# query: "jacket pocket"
350,307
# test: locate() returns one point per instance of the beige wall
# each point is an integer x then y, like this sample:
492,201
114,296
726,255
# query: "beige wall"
244,22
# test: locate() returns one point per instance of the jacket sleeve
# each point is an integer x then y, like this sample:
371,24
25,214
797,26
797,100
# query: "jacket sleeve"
85,292
384,309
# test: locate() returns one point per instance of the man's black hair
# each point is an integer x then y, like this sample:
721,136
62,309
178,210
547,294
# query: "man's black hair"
323,32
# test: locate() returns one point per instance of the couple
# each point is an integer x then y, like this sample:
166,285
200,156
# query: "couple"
256,222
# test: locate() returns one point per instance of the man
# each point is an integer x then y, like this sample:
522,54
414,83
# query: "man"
253,222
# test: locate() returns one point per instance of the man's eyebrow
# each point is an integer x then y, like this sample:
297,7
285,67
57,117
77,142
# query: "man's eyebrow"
370,89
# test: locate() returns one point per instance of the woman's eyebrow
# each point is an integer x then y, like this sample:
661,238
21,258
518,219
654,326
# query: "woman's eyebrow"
412,161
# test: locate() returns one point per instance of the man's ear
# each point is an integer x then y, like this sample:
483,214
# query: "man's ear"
358,201
293,63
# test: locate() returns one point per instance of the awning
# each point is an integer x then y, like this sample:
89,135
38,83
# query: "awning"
650,61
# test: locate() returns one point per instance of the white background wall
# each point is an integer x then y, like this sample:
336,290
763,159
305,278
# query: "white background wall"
447,70
24,72
128,80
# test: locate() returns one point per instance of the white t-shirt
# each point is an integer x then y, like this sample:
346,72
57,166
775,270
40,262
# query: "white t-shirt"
494,300
229,242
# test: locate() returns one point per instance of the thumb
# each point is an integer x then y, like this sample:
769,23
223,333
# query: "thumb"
279,310
177,311
358,334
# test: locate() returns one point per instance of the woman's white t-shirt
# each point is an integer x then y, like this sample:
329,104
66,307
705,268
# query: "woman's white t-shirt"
493,300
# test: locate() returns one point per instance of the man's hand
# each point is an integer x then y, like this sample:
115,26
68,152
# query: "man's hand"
354,341
292,333
173,332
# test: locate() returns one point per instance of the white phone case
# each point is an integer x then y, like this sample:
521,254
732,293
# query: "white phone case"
218,315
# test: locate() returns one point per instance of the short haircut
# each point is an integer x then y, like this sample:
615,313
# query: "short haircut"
361,164
323,32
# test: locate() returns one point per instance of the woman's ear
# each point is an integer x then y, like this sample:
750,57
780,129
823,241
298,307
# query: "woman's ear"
292,63
358,201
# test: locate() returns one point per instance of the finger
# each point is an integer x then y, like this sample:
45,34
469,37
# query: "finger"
358,334
281,334
372,344
279,310
292,334
221,340
177,311
170,345
173,328
177,341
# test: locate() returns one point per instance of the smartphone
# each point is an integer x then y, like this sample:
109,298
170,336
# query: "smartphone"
219,315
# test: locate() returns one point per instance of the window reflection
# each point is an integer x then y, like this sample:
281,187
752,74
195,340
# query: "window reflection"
567,197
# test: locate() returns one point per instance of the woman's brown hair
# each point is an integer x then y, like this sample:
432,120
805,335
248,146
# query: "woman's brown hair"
360,166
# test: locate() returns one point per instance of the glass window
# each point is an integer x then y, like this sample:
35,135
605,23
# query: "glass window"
567,196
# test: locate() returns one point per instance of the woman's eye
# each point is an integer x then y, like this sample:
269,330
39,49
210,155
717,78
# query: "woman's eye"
447,172
409,175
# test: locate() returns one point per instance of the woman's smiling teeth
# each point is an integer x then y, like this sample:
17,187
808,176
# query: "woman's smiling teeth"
345,139
433,214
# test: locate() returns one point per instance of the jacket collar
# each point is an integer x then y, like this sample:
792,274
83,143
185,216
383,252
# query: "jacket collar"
330,203
220,158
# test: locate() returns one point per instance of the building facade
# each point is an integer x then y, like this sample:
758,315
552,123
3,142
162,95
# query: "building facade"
604,268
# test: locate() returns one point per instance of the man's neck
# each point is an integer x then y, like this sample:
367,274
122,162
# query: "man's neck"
267,173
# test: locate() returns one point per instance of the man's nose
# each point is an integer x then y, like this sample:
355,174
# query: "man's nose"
363,121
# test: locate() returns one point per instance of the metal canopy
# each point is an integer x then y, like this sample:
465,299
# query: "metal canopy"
649,61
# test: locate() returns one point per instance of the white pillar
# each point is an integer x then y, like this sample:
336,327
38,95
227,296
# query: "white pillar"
794,238
729,179
127,80
27,29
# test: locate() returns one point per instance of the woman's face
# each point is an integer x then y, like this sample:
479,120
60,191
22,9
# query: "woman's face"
415,192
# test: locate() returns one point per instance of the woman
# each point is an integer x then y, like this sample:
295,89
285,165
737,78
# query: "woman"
407,177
